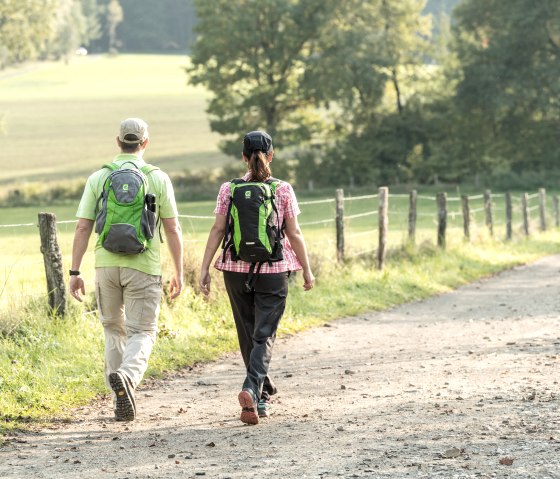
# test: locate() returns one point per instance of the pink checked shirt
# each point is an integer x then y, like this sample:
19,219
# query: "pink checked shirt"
286,203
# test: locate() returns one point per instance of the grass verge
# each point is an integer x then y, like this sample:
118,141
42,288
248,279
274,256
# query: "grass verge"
48,366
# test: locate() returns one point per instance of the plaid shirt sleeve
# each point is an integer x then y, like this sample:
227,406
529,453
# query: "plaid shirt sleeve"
289,201
222,202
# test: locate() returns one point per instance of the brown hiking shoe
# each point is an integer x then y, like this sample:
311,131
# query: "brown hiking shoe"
125,407
248,403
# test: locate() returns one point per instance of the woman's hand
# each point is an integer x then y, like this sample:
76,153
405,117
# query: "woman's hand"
308,280
205,281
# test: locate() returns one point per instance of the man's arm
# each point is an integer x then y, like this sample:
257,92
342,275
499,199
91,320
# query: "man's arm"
174,237
79,248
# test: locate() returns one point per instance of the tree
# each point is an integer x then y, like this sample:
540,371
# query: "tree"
25,27
69,26
162,26
114,17
378,50
508,93
91,11
338,74
253,55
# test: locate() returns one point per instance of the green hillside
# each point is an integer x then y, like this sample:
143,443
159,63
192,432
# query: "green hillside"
61,120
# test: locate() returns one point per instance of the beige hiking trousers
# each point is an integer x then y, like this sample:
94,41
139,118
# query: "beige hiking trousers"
128,301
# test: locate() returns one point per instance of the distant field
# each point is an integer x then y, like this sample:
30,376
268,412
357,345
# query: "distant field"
61,120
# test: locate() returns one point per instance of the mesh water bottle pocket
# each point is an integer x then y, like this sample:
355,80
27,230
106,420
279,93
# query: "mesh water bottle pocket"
149,224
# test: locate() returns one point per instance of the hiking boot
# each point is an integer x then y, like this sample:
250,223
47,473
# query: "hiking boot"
125,407
248,403
263,408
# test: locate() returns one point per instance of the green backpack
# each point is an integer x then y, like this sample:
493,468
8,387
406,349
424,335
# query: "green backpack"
125,212
253,232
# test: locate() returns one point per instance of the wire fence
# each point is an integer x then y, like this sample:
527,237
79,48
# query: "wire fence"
342,227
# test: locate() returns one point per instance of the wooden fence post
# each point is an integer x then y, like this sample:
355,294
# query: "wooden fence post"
442,218
542,208
556,207
412,205
383,225
340,224
466,217
52,259
509,216
525,210
488,212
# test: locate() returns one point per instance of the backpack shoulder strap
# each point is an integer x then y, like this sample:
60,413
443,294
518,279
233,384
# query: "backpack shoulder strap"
147,169
227,242
273,183
233,183
237,181
110,166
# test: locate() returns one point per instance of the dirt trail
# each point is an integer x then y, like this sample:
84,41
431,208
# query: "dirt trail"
450,387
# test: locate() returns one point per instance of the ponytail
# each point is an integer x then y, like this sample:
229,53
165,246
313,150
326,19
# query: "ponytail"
258,166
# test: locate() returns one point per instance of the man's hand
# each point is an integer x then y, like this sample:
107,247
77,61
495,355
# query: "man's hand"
175,287
77,286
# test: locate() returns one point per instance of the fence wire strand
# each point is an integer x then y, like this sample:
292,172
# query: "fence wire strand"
365,197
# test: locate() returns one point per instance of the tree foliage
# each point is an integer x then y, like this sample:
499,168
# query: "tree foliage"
508,92
254,56
162,26
378,51
342,72
25,28
42,29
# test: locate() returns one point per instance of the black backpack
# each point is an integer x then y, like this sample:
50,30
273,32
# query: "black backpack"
253,231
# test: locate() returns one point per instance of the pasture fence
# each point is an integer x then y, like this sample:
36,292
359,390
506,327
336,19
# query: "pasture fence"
474,210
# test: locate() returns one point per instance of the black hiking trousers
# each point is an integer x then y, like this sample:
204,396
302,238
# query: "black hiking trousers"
257,314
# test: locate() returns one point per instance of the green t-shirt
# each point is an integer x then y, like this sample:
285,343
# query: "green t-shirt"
159,184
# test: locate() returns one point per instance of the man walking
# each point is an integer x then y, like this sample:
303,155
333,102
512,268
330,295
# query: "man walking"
128,284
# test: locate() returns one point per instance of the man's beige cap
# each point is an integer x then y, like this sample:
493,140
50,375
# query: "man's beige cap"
133,130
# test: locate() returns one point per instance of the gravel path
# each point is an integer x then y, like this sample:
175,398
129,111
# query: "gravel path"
464,385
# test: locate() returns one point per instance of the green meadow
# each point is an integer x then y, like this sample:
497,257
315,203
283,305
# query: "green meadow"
61,120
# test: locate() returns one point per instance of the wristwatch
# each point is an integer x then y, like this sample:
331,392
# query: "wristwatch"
74,272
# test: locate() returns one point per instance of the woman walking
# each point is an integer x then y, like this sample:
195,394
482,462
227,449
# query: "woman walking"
258,293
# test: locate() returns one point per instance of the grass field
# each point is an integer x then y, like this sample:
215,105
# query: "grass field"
60,121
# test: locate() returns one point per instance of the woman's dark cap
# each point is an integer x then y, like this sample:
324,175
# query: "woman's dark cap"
257,141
